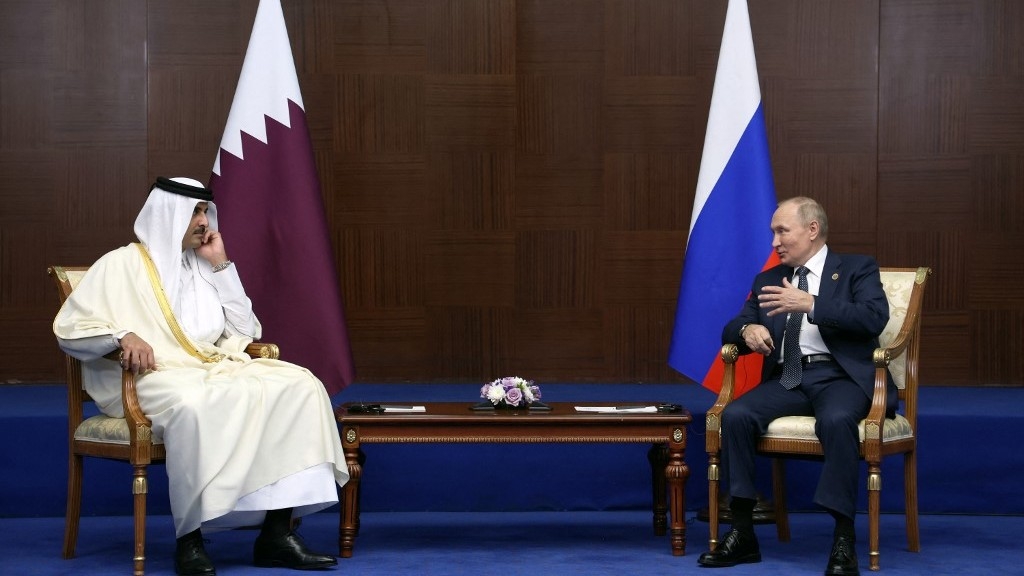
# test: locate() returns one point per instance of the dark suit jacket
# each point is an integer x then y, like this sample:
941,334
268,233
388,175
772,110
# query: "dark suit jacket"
851,310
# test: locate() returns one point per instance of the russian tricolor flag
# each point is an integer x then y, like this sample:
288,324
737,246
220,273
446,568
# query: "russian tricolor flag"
272,214
730,237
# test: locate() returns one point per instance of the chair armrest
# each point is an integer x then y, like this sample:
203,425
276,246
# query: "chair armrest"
139,426
713,417
263,350
875,420
130,398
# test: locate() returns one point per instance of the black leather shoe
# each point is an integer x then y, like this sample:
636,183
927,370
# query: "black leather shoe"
843,560
736,548
190,557
289,551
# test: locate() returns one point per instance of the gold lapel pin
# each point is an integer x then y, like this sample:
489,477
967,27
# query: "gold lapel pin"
835,275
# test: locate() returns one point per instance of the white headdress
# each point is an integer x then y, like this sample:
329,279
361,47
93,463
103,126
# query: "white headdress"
162,224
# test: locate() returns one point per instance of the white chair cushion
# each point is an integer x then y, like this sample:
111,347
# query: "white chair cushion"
802,428
105,429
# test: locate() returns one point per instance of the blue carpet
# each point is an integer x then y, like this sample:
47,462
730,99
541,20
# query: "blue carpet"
454,477
524,543
575,509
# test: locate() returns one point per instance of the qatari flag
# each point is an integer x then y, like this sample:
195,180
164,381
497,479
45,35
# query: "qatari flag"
271,212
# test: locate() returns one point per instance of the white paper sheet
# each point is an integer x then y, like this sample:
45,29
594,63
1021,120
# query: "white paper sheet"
618,409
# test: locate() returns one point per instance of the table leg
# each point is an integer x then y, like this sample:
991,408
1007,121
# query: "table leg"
359,492
658,457
349,525
676,473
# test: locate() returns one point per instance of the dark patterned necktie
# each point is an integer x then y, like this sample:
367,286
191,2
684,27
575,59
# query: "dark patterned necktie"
792,367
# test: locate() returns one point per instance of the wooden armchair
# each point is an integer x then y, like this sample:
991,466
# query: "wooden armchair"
129,439
793,436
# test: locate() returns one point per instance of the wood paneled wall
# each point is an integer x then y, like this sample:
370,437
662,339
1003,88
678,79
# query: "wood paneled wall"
509,182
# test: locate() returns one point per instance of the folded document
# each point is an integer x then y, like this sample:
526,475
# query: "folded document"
388,408
617,409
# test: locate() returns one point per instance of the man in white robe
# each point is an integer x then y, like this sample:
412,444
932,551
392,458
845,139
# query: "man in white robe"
248,441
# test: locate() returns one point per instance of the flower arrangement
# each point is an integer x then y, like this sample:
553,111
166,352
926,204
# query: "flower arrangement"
510,392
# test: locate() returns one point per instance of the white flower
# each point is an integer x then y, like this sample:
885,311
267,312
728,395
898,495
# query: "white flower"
510,390
495,394
527,393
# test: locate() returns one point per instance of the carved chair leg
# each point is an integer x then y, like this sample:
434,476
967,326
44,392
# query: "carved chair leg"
713,471
140,488
874,516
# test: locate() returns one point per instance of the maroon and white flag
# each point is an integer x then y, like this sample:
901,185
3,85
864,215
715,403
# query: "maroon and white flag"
271,211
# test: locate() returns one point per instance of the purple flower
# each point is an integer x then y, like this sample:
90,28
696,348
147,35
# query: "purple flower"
513,396
510,391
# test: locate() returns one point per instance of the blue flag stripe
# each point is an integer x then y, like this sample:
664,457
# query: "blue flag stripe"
729,244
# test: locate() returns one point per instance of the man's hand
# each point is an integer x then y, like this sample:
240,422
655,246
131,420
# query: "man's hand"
785,299
212,248
758,339
136,354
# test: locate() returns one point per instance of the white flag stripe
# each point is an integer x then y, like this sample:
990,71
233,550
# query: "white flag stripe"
266,84
735,97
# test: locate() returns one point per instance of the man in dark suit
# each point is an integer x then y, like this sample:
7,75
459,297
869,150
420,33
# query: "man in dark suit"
834,315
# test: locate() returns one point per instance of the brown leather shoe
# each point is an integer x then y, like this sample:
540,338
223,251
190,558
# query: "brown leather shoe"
736,548
289,551
843,559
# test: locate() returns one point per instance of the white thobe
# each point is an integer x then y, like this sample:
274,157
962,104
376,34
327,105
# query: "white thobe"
242,435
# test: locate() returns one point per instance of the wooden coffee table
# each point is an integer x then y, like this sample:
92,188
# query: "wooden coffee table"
457,422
